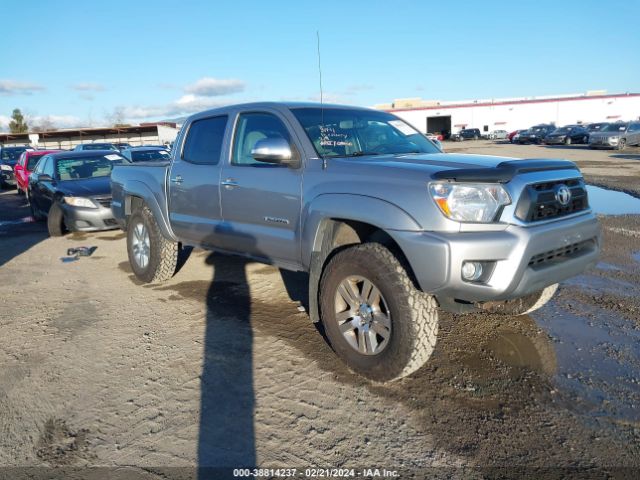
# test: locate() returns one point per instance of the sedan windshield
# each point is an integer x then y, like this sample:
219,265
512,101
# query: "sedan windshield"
33,160
338,132
90,166
99,146
615,127
149,155
11,154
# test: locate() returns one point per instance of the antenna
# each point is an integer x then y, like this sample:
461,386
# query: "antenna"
324,160
319,66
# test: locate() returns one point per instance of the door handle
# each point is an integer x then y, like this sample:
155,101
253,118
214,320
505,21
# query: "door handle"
230,183
177,180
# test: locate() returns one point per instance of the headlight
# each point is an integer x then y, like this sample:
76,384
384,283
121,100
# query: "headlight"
6,167
614,139
80,202
469,202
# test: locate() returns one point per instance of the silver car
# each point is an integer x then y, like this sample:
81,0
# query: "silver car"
498,135
616,135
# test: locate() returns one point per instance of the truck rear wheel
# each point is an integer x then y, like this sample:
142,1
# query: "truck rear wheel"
152,257
377,322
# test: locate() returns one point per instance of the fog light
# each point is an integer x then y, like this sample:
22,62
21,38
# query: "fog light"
471,271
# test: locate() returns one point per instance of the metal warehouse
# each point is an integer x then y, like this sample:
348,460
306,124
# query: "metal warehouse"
432,116
143,134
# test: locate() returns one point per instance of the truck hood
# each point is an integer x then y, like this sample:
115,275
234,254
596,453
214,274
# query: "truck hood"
459,167
431,162
87,187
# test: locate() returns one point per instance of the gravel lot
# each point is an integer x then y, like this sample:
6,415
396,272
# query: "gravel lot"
218,367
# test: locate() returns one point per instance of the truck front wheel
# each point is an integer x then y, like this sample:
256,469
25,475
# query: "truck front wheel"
377,322
152,257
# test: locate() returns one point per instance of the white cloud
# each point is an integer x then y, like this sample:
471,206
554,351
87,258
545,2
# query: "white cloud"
213,87
185,105
12,87
59,121
329,97
4,123
355,89
88,87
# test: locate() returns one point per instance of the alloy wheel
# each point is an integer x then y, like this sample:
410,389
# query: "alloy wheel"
141,245
362,315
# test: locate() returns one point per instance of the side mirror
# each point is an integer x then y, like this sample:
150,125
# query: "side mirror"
272,150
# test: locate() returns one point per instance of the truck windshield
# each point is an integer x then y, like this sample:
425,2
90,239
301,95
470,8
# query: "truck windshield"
339,132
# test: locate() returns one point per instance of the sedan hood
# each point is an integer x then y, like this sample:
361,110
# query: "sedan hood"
88,187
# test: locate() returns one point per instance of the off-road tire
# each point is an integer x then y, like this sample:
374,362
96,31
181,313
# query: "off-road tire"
414,314
163,253
55,221
622,144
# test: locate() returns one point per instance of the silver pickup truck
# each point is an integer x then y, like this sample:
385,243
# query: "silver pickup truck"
389,228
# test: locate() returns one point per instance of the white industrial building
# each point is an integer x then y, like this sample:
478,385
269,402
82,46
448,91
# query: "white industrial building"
432,116
143,134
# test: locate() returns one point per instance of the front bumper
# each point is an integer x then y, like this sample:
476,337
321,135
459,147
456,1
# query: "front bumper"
514,255
80,219
603,144
554,140
529,140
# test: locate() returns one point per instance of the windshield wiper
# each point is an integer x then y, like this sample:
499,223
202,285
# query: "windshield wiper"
354,154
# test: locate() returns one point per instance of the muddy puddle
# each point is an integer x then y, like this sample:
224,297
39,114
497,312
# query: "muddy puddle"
611,202
598,360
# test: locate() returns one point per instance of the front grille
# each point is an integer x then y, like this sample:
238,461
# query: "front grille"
538,201
561,254
104,201
110,222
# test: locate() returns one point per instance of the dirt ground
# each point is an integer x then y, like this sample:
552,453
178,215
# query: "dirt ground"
218,367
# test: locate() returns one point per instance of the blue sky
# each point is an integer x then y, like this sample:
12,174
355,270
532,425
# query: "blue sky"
79,62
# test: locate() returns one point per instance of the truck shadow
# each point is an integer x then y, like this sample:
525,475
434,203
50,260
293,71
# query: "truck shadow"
18,231
226,433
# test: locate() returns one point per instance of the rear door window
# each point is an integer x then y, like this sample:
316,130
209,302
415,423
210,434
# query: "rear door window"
203,144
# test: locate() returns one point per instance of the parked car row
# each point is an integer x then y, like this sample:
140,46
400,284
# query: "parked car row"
617,135
17,162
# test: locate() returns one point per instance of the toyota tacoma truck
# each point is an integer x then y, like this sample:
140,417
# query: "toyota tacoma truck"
390,229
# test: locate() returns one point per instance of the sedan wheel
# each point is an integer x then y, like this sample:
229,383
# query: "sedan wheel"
622,144
567,141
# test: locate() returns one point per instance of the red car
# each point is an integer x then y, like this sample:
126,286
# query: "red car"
25,166
513,136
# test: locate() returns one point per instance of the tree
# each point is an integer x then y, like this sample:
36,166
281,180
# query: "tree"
44,124
116,118
17,123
